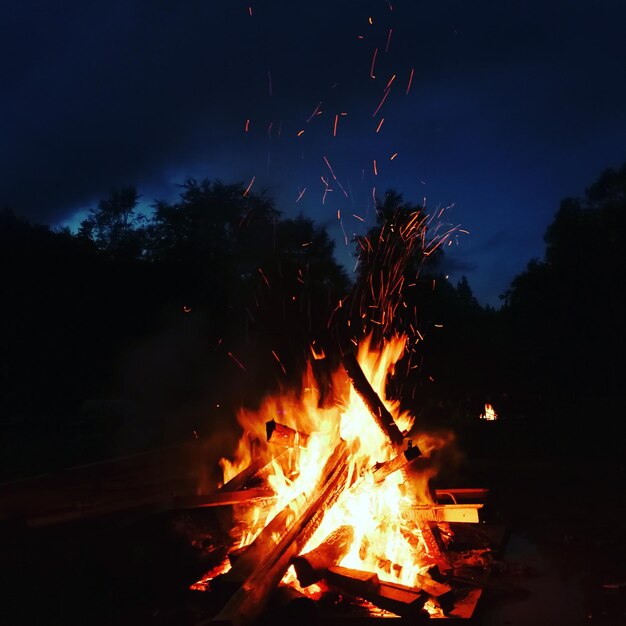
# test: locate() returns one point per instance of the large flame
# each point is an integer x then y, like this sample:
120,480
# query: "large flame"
386,541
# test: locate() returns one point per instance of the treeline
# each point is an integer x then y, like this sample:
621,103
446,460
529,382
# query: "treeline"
138,331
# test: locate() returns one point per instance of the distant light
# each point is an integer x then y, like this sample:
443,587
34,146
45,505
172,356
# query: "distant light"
490,414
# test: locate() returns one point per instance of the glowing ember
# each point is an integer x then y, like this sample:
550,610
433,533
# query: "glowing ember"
489,413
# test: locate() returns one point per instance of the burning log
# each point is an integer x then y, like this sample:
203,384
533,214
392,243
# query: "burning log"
234,491
284,435
251,597
381,470
430,532
248,557
378,410
311,566
433,545
399,599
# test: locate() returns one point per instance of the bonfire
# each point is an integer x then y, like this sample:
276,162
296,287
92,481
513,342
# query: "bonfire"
337,495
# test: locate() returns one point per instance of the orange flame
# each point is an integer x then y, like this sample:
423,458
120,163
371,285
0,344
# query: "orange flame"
489,414
386,541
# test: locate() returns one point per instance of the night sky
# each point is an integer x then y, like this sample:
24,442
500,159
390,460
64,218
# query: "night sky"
495,111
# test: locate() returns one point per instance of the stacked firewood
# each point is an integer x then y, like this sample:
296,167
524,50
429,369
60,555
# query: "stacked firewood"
450,587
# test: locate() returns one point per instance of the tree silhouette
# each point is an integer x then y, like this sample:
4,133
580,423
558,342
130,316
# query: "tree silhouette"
565,312
114,226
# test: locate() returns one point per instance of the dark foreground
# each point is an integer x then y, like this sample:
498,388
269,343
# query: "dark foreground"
557,491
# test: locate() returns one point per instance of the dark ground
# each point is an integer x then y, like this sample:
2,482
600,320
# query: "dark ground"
558,491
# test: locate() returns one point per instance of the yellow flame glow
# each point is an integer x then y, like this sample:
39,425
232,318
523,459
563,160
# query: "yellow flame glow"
489,413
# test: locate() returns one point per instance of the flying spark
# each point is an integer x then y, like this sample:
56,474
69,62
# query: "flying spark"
230,354
381,103
388,40
245,193
373,63
300,194
408,87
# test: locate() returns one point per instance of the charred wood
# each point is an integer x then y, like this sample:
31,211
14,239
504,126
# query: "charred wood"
381,470
287,605
399,599
310,567
285,436
239,481
223,498
247,558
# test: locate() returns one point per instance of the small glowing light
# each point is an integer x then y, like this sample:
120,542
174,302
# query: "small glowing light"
489,414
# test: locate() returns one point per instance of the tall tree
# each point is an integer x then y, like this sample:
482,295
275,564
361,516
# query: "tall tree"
566,311
115,226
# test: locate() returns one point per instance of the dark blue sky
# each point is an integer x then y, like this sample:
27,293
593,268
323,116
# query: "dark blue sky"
512,106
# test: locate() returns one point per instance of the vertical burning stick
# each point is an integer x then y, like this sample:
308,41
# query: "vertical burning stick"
430,532
378,410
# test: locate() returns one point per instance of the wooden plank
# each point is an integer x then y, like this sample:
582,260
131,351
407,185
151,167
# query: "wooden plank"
393,597
443,513
465,604
239,481
354,581
224,498
380,471
141,482
432,587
